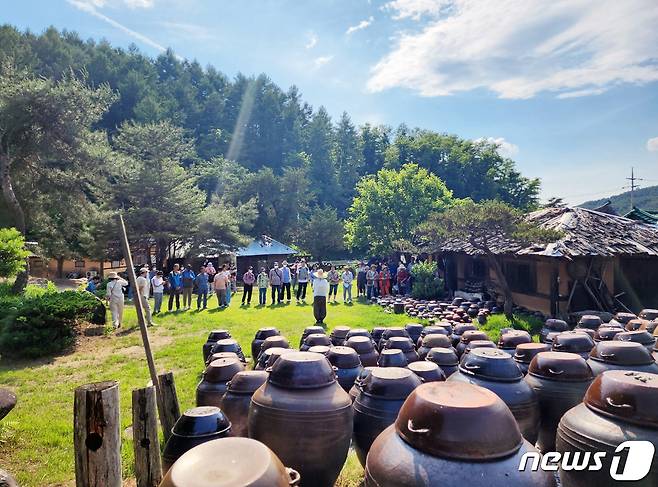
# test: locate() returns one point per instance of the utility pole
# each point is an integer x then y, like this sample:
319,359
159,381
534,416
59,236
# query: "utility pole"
633,186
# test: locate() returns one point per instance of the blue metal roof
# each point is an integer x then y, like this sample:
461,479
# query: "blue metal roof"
265,246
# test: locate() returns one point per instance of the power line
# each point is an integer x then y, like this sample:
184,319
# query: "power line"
633,186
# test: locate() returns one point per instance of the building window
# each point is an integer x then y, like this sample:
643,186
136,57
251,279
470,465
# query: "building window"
79,263
521,277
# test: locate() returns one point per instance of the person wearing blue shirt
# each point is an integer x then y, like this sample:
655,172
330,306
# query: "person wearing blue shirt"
175,280
188,286
201,282
285,281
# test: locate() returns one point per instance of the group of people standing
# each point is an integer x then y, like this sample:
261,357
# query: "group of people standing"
282,281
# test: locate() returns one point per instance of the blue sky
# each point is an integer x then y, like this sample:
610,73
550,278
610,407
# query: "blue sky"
569,88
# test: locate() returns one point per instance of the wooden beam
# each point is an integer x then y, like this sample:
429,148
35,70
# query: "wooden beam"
148,465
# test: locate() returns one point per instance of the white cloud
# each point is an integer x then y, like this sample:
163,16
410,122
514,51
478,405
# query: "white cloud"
322,60
312,41
364,24
505,148
91,9
414,9
188,31
652,144
520,48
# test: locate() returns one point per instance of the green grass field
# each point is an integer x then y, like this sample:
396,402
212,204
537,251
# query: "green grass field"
36,443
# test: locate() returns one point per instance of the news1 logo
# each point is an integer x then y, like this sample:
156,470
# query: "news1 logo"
630,462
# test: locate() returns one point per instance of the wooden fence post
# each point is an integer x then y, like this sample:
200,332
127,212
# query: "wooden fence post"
96,435
148,466
170,409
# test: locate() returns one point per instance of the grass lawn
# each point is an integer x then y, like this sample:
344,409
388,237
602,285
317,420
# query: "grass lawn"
36,443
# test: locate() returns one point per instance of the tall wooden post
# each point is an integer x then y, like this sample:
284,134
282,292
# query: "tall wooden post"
125,246
148,465
96,435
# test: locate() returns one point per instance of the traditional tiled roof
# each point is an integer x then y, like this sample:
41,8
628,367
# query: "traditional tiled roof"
644,216
584,233
265,246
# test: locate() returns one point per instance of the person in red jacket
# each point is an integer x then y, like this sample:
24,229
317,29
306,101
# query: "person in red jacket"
403,279
385,281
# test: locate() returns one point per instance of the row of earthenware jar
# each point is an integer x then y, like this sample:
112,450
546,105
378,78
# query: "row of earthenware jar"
296,403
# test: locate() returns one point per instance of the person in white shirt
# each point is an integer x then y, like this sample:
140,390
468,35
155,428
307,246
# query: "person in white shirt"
157,285
143,290
320,293
347,278
114,296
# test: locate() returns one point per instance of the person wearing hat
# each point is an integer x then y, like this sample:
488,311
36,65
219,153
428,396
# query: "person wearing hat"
320,293
114,296
143,291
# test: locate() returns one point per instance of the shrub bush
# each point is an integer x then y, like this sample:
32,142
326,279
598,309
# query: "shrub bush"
44,324
426,284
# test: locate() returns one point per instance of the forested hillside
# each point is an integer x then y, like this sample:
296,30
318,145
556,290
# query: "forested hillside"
265,160
644,198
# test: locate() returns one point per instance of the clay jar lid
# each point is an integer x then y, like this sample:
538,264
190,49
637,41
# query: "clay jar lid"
201,421
358,332
312,329
247,381
550,336
556,325
216,335
218,355
317,339
624,318
626,395
458,420
648,314
640,336
606,333
473,344
427,371
436,330
392,383
401,343
323,349
589,321
586,331
561,366
392,357
222,370
637,324
343,357
274,341
621,353
340,331
394,331
413,328
228,462
471,335
572,341
226,345
266,355
490,363
302,370
443,356
268,331
525,352
514,338
436,340
361,344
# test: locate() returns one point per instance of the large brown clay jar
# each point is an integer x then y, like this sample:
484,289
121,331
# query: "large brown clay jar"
449,434
237,399
304,416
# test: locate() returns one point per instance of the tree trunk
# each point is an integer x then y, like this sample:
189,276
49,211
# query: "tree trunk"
16,212
504,285
60,267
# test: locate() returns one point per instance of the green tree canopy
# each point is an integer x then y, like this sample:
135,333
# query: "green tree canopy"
12,252
389,206
322,235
